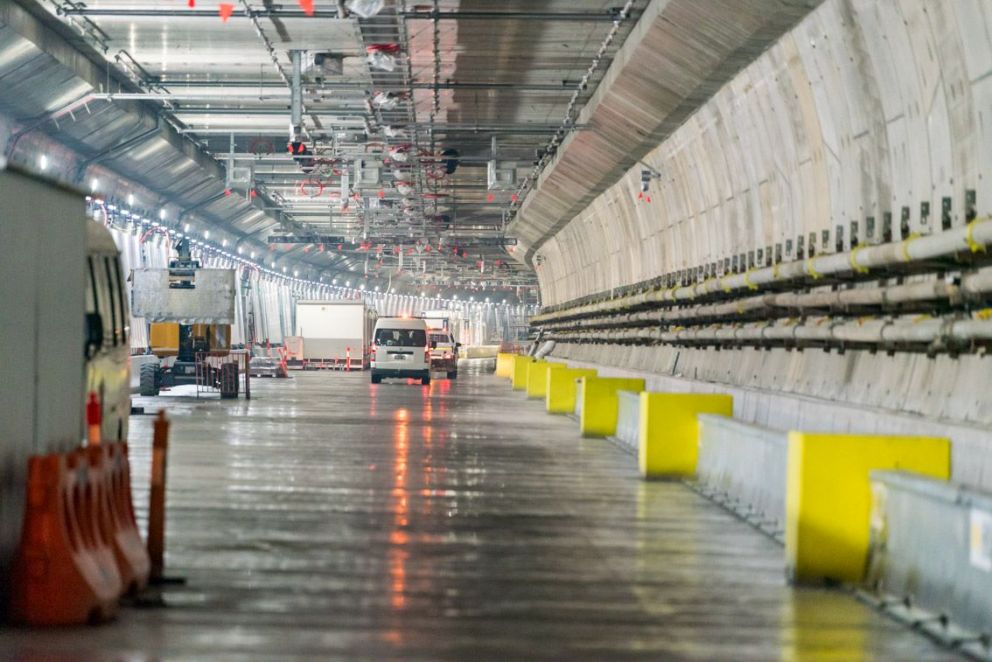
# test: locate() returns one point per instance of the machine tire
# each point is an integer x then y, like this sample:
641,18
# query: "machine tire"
149,381
426,381
453,374
376,379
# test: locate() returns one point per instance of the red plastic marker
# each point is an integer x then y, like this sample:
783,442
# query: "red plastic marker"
307,7
93,419
225,10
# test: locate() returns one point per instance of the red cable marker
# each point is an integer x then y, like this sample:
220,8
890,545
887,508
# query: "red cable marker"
93,419
307,7
225,10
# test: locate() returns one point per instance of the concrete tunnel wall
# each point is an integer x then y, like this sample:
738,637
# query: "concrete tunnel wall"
866,107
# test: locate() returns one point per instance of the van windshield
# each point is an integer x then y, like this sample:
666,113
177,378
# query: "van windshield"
401,337
440,338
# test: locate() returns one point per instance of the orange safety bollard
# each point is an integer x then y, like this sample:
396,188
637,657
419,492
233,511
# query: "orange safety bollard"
64,571
347,359
156,502
118,519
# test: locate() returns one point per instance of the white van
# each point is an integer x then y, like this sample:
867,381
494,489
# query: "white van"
400,349
107,347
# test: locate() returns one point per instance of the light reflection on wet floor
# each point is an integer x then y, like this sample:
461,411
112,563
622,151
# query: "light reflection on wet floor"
330,517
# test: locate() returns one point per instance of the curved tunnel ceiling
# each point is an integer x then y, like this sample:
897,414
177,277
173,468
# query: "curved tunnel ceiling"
183,102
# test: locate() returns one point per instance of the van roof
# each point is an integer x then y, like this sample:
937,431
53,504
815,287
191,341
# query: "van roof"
400,323
99,240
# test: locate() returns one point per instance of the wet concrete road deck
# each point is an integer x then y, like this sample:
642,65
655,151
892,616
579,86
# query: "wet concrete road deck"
330,518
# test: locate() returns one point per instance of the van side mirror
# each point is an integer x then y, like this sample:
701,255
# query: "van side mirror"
94,335
433,344
458,345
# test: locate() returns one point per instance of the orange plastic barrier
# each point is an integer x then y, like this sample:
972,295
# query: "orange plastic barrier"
64,571
117,515
156,498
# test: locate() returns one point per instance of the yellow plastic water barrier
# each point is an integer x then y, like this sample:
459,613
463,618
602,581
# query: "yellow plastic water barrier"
668,439
560,389
504,365
537,378
521,365
600,403
828,496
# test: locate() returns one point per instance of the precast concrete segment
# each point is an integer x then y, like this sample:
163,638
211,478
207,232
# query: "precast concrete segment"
828,496
329,518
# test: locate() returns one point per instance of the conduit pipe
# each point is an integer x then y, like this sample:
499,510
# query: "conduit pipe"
974,237
900,331
973,286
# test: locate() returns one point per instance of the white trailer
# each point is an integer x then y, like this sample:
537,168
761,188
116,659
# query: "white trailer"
43,333
333,330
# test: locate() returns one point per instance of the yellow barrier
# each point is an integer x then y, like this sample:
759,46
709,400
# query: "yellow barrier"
598,417
668,438
560,391
521,365
504,365
537,378
828,496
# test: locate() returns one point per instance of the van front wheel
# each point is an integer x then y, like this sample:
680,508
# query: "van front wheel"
426,380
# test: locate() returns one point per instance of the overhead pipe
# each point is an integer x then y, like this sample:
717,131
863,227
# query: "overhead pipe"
562,87
974,237
296,88
280,12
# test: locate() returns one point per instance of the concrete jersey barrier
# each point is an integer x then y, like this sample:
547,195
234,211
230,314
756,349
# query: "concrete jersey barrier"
931,541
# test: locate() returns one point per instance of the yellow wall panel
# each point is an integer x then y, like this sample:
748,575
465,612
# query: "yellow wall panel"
560,391
598,417
828,496
668,439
